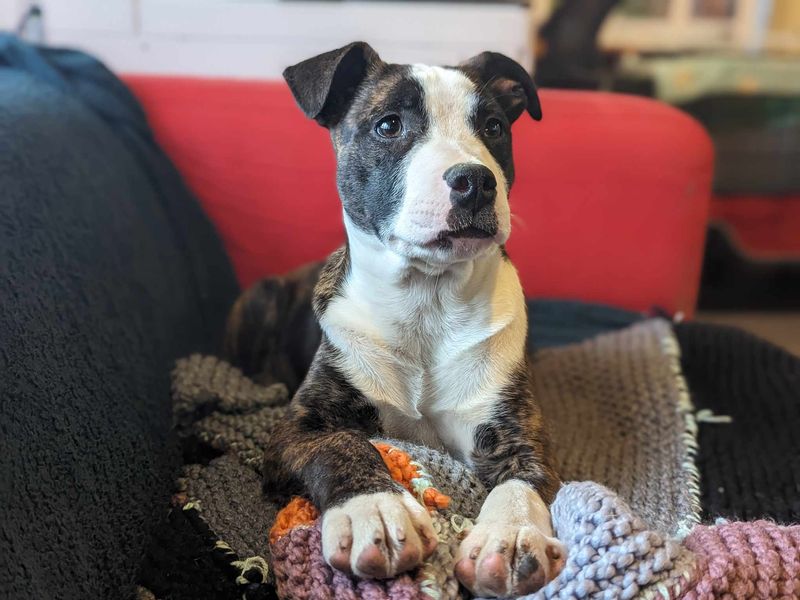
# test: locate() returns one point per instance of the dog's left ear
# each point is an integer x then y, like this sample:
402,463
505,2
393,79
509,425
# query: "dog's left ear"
324,85
510,84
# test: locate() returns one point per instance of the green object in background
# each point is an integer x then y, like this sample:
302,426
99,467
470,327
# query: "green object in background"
678,80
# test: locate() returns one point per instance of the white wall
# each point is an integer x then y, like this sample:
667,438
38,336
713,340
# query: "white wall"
258,38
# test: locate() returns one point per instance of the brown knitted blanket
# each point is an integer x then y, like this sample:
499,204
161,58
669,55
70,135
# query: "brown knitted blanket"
620,415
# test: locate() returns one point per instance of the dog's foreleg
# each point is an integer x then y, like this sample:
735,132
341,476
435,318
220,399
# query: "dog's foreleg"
371,526
511,550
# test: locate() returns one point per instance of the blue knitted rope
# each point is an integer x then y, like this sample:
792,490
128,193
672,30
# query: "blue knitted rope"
611,552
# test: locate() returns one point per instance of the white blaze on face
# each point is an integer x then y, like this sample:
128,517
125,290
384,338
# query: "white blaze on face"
450,102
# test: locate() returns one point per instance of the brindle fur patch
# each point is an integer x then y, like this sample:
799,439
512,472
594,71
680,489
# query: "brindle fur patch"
514,443
325,443
331,279
271,333
368,167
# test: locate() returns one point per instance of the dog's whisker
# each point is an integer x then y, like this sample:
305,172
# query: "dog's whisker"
519,220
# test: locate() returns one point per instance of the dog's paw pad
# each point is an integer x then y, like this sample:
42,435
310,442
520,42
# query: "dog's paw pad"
500,560
493,572
372,561
377,535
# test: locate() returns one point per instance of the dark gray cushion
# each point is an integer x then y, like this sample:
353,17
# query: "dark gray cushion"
108,272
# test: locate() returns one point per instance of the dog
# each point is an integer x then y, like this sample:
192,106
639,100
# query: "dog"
423,320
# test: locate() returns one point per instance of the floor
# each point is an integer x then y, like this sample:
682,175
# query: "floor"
781,328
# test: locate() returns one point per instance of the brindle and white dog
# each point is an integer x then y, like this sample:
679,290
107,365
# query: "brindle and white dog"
423,320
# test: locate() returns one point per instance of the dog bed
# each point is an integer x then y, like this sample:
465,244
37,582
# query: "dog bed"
620,416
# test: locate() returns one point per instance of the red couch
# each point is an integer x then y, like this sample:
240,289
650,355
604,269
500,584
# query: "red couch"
610,203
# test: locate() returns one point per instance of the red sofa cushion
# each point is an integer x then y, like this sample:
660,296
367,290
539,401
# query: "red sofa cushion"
610,203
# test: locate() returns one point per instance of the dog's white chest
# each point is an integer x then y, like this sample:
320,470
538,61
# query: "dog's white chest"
433,354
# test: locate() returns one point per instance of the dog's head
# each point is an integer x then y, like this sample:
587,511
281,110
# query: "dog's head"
423,153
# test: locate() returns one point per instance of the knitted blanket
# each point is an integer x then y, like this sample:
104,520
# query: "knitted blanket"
619,415
750,465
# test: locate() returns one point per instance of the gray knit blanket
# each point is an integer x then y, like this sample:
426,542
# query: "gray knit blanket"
624,436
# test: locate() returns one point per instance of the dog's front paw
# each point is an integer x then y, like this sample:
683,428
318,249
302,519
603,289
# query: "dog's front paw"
377,535
501,560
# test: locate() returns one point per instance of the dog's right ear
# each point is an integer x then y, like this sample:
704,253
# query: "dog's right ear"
510,83
324,85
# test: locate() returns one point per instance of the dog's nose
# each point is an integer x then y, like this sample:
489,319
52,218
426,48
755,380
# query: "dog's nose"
471,186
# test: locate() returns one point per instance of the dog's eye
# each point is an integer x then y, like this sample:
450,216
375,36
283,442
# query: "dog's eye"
493,128
389,127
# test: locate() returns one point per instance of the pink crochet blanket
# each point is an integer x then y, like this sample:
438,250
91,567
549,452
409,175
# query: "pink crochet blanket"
739,560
